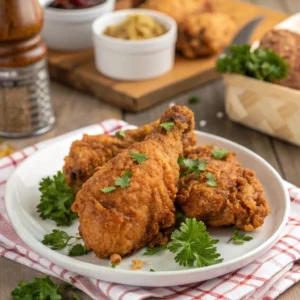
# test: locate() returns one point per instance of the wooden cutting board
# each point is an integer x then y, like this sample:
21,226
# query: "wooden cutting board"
77,69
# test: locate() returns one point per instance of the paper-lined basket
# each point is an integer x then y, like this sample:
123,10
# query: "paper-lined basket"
266,107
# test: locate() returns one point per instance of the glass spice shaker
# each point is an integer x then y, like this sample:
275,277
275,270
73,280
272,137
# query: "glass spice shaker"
25,104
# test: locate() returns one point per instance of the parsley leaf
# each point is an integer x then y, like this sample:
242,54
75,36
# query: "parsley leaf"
154,250
179,219
123,181
38,288
219,153
192,165
57,239
56,200
121,133
138,157
262,64
108,189
78,250
167,126
193,245
239,238
194,100
152,270
113,266
211,180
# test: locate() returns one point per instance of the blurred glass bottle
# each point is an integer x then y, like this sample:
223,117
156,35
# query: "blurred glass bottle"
25,104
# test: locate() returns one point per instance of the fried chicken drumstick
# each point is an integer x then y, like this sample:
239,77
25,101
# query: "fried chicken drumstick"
238,199
132,214
93,151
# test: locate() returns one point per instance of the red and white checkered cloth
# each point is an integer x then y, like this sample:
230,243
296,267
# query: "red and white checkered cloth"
265,278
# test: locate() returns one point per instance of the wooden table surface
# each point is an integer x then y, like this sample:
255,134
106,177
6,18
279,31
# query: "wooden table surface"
75,110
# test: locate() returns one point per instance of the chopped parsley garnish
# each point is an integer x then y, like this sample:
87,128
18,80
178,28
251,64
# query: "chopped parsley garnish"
211,180
239,238
167,126
138,157
192,165
123,181
152,270
154,250
113,266
219,153
194,100
121,133
193,245
59,239
56,200
108,189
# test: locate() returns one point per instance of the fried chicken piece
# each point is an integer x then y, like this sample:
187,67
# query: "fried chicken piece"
205,34
128,218
179,9
93,151
237,200
286,44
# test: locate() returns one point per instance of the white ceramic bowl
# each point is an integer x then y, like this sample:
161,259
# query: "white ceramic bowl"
134,60
70,29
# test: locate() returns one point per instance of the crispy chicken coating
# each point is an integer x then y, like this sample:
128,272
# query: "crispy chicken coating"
126,219
179,9
237,200
93,151
205,34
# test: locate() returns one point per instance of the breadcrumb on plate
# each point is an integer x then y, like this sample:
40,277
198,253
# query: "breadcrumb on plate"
115,259
136,264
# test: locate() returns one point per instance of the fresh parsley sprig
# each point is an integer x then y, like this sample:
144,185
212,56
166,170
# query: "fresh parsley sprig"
154,250
59,239
43,288
192,165
167,126
38,288
138,157
219,153
262,64
56,200
239,238
193,245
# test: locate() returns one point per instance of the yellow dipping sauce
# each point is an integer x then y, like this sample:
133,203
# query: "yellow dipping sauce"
136,27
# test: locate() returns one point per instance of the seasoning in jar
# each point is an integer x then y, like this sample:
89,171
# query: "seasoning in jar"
75,4
136,27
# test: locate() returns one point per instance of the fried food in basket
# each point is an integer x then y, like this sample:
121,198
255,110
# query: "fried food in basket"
93,151
237,199
130,199
205,34
286,44
179,9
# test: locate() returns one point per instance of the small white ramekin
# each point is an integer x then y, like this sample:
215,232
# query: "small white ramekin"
134,60
70,29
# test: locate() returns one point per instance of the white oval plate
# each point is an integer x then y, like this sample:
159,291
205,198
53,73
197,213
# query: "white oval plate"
22,197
